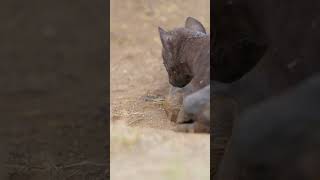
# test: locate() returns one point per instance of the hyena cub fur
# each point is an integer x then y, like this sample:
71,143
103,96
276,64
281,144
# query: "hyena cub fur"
186,57
197,106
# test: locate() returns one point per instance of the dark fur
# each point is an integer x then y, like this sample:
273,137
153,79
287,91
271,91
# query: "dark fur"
288,34
196,107
278,139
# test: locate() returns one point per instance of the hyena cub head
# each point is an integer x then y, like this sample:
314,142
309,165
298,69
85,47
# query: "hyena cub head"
174,51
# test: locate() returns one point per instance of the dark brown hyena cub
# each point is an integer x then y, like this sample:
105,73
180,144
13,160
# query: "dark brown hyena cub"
186,57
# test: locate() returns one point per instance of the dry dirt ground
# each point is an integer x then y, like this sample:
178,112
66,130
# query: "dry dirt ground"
143,145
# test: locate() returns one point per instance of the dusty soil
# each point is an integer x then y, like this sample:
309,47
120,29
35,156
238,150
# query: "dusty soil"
143,144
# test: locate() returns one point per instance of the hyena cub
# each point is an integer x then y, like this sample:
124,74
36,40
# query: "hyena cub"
186,57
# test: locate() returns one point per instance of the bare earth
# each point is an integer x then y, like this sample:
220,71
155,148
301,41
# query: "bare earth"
143,145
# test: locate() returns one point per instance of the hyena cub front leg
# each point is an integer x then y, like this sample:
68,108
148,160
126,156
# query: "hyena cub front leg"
173,103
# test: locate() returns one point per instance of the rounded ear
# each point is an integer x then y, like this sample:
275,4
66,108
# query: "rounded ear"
194,25
165,37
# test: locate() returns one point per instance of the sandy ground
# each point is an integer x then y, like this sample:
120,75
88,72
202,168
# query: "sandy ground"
143,145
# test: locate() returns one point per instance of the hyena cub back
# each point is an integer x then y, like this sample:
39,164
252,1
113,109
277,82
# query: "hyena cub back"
186,57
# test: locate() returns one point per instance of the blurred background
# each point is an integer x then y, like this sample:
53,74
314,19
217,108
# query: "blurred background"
143,144
53,79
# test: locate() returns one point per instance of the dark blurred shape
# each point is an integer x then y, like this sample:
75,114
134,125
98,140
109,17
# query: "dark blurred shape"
54,89
278,139
273,44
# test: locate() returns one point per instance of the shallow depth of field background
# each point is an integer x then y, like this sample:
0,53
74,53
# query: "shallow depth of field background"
143,145
53,90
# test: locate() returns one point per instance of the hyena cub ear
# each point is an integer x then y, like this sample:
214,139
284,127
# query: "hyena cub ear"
166,38
194,25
